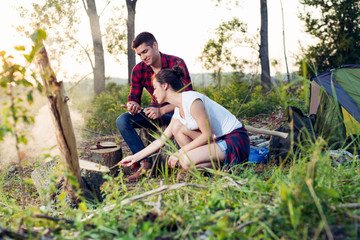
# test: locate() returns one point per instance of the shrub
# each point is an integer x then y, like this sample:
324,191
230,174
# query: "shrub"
106,108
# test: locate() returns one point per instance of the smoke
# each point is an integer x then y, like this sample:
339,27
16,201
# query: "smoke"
41,139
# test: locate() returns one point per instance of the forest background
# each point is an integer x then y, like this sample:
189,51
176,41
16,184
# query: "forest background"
292,204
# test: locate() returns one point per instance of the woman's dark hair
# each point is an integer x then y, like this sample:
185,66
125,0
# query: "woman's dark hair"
174,77
144,37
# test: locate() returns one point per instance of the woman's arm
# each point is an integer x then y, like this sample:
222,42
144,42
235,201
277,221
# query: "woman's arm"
150,149
198,112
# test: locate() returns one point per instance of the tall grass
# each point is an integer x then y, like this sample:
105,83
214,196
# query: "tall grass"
298,200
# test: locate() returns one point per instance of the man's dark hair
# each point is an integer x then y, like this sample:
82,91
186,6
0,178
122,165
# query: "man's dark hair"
144,37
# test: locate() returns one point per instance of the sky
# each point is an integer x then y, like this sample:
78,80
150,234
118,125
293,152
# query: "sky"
183,27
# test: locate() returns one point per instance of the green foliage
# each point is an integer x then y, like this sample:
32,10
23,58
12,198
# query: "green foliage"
19,89
244,97
336,26
102,113
219,52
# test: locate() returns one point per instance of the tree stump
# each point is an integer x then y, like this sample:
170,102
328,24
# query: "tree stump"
48,180
107,154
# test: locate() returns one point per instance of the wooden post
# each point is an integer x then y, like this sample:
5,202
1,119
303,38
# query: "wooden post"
61,118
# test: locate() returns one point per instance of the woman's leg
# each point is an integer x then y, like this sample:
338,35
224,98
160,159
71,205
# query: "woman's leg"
201,157
182,134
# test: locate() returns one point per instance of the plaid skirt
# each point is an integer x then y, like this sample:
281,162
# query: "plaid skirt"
238,147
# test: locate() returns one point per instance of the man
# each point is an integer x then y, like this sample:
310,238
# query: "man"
152,61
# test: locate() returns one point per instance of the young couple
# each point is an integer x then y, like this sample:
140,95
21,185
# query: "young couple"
206,132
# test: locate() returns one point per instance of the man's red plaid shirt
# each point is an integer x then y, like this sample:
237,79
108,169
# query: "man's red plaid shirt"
141,77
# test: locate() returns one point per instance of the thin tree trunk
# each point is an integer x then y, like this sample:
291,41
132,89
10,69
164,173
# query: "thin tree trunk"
264,48
62,122
99,68
131,5
286,62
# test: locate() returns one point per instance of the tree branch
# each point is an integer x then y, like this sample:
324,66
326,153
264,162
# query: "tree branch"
147,194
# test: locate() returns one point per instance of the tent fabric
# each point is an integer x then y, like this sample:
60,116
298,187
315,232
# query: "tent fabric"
352,126
336,91
329,122
339,103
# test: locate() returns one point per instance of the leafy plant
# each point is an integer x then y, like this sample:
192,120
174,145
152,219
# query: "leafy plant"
19,89
103,111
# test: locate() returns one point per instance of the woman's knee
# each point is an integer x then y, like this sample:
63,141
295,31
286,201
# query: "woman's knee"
177,128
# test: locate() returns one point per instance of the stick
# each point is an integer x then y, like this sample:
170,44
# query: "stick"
55,219
266,131
241,226
349,205
233,183
158,204
147,194
13,235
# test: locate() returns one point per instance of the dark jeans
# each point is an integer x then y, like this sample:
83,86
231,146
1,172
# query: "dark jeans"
126,123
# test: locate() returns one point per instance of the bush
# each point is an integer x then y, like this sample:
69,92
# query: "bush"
241,96
106,108
245,97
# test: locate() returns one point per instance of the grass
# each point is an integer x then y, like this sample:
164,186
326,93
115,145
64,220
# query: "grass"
299,200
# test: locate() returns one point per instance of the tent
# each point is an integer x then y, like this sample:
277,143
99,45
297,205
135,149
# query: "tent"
335,100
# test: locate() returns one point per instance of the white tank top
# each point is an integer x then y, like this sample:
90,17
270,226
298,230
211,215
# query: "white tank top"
222,121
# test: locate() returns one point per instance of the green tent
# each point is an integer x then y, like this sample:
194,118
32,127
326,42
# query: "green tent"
335,100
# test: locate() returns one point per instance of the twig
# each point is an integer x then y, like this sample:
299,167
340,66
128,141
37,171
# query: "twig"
346,180
6,205
241,226
234,183
158,204
55,219
147,194
349,205
4,232
353,216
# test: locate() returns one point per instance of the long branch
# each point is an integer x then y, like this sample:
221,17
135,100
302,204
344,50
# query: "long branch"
147,194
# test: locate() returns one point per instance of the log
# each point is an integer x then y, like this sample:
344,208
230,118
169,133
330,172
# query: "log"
91,166
62,121
107,154
266,131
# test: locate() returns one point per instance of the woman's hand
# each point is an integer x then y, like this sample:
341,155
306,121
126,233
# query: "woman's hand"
128,161
152,112
173,160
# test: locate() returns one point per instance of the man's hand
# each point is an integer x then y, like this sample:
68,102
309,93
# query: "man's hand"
132,107
128,161
152,112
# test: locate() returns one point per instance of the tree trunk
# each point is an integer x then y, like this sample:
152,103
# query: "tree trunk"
99,68
131,5
264,48
62,121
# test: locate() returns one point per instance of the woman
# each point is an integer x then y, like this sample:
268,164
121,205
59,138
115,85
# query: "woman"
207,133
